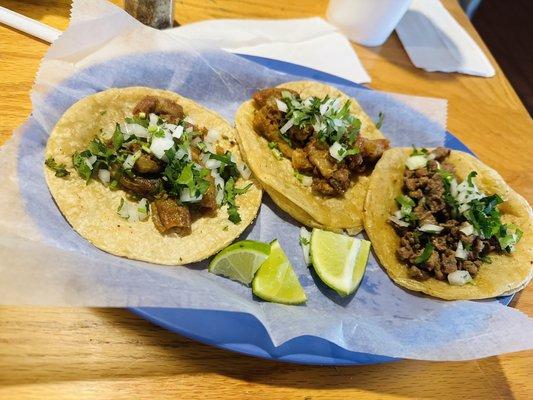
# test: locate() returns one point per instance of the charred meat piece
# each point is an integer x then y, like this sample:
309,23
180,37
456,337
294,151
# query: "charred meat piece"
319,156
266,122
300,162
322,186
140,186
371,149
300,134
147,164
167,215
268,95
441,153
209,199
340,180
163,107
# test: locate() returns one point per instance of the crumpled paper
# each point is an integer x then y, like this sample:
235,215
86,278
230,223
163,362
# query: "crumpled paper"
44,262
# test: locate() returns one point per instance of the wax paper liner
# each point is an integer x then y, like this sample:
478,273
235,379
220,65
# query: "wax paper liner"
44,262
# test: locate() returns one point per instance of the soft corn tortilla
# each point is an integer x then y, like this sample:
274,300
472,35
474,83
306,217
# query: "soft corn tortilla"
92,209
277,176
505,275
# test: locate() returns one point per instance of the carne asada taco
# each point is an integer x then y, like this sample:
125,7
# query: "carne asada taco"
312,147
150,175
443,223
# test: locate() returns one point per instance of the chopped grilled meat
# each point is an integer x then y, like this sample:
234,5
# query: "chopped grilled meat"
147,164
321,186
319,156
300,162
266,96
300,134
371,149
418,274
340,180
425,185
209,199
140,186
266,122
440,153
167,214
163,107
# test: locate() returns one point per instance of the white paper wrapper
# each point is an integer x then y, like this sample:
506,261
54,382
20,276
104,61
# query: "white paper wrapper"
44,262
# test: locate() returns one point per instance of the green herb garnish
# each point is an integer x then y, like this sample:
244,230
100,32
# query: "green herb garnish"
422,258
59,169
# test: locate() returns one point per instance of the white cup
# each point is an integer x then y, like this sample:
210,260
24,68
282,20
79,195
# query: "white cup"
367,22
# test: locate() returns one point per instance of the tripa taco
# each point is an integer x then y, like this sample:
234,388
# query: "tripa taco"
312,147
443,223
150,175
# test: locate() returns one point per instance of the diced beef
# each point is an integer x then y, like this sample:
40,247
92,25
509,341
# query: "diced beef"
265,96
340,180
167,215
140,186
322,186
319,156
300,162
147,164
167,109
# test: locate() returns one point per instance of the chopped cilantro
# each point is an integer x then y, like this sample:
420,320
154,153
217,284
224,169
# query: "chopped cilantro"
79,160
424,256
59,169
118,137
379,122
230,192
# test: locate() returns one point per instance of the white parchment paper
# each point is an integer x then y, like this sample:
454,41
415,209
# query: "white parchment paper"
44,262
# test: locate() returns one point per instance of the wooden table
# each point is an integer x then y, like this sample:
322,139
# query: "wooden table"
110,353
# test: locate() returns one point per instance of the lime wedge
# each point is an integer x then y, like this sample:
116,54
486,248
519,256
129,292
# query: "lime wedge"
339,260
240,261
276,281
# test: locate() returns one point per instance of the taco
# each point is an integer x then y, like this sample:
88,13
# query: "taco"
150,175
443,223
312,147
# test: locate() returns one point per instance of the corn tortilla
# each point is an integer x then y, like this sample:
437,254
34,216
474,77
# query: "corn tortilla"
505,275
277,176
92,209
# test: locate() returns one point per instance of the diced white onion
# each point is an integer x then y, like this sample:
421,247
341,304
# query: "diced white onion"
244,170
177,132
130,160
287,126
212,164
305,243
142,209
430,228
324,108
90,161
334,150
180,153
307,102
189,120
460,252
307,180
104,175
281,106
398,214
415,162
398,221
134,212
338,122
212,136
136,130
453,187
459,277
336,105
185,197
219,186
467,229
160,145
153,119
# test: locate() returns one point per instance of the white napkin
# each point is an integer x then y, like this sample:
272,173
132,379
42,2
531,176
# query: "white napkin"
435,41
311,42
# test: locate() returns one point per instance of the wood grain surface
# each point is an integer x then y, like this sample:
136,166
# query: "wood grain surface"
51,353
